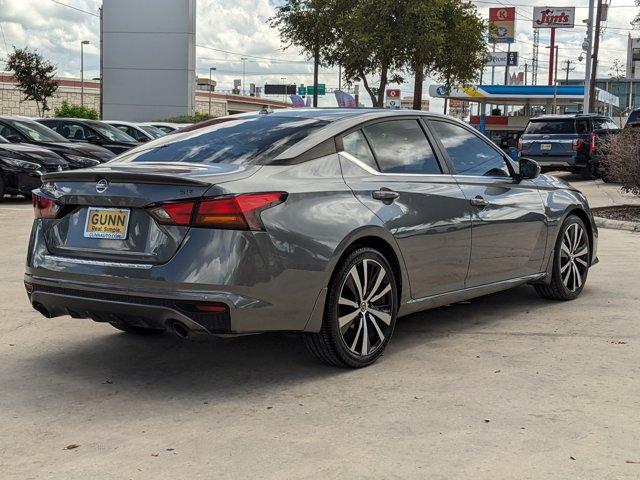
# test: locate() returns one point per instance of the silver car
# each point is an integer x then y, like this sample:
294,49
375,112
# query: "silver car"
332,223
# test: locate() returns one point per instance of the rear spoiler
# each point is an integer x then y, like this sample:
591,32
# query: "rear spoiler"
120,177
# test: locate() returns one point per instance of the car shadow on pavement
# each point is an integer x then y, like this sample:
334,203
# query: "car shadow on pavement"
227,367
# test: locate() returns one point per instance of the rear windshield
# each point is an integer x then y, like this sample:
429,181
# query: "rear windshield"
243,140
550,127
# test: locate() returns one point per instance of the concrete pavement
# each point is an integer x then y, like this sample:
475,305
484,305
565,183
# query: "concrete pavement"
503,387
598,193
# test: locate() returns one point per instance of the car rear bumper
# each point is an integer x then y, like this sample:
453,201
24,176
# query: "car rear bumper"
238,269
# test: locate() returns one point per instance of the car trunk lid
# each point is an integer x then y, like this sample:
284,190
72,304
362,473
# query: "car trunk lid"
105,209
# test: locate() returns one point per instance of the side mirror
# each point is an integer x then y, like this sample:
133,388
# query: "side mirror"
14,138
528,169
92,139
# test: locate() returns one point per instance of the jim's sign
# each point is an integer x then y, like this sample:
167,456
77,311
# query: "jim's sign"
554,17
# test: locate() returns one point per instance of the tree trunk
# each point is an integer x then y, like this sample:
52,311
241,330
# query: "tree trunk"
382,88
367,87
316,61
418,78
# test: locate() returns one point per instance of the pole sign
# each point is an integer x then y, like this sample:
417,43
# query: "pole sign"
502,25
502,59
393,98
554,17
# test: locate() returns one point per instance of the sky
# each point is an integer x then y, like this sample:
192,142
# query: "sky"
227,30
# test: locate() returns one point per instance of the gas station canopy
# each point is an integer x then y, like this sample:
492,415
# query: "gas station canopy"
522,94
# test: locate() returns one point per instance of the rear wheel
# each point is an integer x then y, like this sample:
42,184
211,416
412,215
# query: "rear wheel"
572,258
135,330
360,312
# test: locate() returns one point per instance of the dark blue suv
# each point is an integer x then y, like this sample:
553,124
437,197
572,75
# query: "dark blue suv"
567,142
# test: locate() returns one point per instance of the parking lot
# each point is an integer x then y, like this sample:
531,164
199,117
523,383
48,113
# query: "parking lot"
505,386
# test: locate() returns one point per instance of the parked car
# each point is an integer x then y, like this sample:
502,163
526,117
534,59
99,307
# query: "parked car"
94,132
332,223
567,142
167,127
25,130
22,165
141,133
633,120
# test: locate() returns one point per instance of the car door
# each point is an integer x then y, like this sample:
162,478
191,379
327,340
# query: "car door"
392,169
509,223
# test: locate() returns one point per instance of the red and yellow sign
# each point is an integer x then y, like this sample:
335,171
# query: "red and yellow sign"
502,22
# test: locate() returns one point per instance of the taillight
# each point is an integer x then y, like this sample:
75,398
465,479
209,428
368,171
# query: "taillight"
44,207
173,213
578,143
593,148
239,212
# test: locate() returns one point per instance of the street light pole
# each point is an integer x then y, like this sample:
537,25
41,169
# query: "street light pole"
82,44
211,69
244,60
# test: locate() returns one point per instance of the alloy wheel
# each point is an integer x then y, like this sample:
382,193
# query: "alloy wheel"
365,307
574,257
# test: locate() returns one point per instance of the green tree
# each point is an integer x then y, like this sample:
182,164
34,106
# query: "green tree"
462,47
35,76
69,110
308,25
369,43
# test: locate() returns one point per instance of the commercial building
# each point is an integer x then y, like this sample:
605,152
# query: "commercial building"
626,89
633,58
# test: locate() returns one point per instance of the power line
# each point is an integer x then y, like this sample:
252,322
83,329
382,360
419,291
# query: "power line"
274,60
76,8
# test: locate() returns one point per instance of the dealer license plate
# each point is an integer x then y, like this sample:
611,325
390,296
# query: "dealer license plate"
110,223
545,146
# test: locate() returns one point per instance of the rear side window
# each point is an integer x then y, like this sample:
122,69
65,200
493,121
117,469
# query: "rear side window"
245,140
551,127
469,153
356,145
400,146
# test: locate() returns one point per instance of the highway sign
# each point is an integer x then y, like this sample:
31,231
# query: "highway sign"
322,89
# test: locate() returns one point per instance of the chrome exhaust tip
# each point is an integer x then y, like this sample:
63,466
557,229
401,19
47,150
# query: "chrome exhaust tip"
180,329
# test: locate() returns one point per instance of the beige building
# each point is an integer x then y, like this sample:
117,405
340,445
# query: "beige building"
12,100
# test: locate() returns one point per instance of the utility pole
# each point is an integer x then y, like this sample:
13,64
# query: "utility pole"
594,67
316,62
568,69
587,48
552,51
526,72
534,60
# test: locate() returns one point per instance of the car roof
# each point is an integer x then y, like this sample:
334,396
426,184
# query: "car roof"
569,116
333,114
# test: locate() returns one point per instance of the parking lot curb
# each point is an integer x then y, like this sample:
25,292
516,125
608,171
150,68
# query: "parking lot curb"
617,224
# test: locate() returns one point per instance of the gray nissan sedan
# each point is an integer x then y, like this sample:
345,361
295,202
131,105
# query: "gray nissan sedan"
332,223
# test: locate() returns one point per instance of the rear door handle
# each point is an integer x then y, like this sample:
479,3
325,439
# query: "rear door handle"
479,202
385,194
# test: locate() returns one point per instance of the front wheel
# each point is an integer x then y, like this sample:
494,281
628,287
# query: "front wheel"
571,261
360,312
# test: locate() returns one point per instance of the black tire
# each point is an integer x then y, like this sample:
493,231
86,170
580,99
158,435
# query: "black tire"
570,270
363,315
135,330
590,171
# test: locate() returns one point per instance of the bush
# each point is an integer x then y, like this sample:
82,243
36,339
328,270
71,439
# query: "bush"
621,159
198,117
69,110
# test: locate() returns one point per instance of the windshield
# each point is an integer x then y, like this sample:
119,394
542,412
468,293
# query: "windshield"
246,140
153,131
35,131
551,127
111,133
